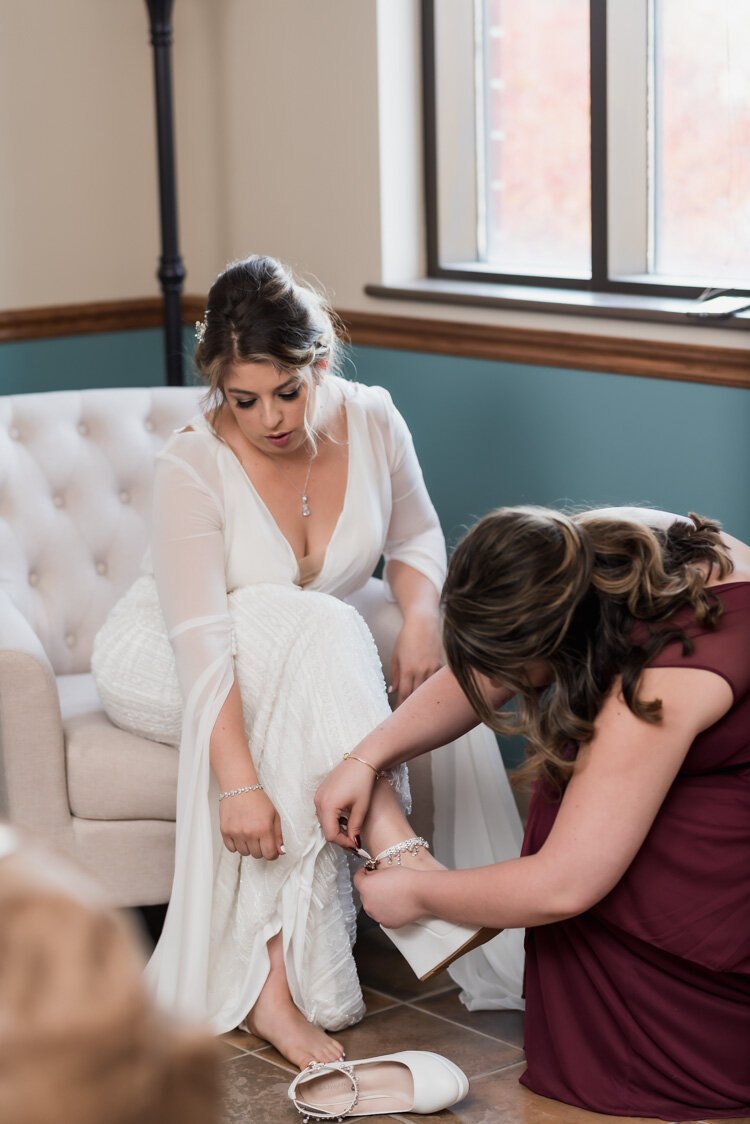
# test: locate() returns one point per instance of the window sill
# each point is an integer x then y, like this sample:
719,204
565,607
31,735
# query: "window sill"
629,353
563,302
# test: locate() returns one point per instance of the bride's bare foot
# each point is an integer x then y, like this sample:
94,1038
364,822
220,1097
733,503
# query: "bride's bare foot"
276,1018
286,1028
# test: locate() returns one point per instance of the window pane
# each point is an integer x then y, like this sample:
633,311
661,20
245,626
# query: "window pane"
534,103
701,113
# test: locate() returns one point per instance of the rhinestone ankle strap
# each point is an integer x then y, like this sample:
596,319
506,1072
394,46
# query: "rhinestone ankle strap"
413,846
318,1068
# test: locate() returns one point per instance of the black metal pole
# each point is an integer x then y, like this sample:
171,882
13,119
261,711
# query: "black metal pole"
171,272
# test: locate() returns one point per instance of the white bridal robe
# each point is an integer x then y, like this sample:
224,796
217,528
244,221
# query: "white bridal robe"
225,599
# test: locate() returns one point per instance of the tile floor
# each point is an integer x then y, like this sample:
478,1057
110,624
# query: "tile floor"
404,1014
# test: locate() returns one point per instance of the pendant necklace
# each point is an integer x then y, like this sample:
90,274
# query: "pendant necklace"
303,491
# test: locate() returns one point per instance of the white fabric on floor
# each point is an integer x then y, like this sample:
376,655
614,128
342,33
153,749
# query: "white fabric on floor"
476,824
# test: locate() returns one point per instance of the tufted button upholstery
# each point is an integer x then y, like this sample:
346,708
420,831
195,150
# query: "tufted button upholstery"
76,470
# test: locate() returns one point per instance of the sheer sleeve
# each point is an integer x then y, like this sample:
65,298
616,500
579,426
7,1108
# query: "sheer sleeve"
189,568
188,561
414,535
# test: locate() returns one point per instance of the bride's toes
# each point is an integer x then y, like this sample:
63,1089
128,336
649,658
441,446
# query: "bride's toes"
329,1051
337,1051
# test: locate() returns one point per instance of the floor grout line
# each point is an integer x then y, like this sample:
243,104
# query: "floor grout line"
259,1054
239,1058
500,1069
432,994
462,1026
385,995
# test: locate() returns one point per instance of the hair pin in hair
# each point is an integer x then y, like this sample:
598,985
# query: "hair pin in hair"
200,329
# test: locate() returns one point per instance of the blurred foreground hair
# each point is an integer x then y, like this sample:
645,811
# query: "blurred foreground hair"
80,1039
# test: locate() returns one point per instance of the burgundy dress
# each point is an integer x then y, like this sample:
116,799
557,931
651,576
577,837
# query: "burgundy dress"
641,1005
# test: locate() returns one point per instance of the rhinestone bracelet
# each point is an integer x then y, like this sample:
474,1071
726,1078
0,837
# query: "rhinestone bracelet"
237,791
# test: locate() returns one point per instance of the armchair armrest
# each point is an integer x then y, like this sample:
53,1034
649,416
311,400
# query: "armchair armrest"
33,790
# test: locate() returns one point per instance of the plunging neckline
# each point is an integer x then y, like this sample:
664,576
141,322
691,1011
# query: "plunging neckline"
271,519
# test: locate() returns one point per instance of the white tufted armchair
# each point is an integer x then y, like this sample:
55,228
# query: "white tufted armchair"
76,469
75,488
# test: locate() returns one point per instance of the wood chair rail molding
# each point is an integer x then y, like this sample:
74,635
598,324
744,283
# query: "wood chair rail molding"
88,319
660,359
723,366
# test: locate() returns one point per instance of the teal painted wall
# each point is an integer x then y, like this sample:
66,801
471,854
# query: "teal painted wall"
133,358
493,433
502,433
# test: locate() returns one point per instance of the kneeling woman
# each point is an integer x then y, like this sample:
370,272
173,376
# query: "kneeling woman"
625,636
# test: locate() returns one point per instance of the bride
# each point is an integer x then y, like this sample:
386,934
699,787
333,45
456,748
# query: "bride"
237,643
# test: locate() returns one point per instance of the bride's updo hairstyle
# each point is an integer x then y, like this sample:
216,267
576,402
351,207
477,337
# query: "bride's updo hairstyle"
529,584
259,313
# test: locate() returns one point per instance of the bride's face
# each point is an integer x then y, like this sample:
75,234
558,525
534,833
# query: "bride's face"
268,406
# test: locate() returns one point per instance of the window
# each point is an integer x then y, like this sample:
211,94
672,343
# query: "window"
589,144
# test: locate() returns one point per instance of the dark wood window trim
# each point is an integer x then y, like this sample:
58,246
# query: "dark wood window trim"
87,319
561,302
659,359
601,280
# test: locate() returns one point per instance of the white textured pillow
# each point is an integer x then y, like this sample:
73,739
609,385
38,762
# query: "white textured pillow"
132,653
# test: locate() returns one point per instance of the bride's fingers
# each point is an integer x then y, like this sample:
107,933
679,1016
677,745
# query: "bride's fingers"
406,686
395,676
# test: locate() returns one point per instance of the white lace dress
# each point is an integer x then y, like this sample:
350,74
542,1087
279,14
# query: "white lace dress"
229,604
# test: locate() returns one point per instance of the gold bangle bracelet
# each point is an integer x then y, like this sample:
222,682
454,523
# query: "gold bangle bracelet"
353,757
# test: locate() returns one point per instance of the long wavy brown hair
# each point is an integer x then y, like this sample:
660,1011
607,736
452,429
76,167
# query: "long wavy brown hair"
530,585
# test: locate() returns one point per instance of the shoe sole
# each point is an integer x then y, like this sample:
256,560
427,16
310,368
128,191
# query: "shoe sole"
476,941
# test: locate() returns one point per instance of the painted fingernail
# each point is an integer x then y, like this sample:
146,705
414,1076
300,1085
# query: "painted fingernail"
282,849
391,689
357,840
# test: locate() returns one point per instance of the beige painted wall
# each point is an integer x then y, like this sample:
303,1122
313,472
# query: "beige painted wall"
78,189
286,144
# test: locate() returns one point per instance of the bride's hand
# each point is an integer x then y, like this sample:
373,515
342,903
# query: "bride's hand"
342,802
417,654
251,825
390,896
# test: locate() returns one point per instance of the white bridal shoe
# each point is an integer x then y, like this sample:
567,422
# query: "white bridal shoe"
409,1081
428,945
